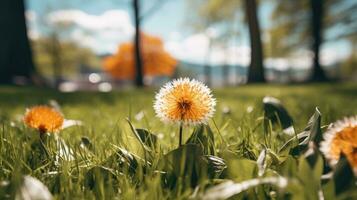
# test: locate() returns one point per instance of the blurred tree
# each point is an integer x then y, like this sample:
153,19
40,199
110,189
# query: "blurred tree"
156,61
348,67
256,69
208,17
290,24
306,22
138,17
55,52
317,13
223,13
67,54
341,18
15,52
138,62
54,37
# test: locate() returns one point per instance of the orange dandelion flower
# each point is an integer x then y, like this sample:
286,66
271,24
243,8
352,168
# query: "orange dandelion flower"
44,118
184,101
341,137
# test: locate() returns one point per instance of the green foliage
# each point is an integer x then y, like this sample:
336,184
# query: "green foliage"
220,14
292,24
234,156
203,136
70,56
311,133
276,113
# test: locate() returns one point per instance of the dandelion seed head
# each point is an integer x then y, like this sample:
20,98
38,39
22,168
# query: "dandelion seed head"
186,101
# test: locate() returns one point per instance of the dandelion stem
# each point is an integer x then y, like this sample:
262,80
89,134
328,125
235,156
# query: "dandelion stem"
42,133
180,134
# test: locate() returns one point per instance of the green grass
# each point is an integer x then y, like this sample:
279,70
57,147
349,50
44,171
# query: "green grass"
239,139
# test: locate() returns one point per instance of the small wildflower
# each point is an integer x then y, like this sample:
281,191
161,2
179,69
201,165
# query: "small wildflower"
139,116
44,119
226,110
250,109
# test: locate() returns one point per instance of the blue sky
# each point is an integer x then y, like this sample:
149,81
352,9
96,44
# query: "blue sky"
103,24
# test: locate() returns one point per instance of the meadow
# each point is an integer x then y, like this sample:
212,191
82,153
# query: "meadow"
123,151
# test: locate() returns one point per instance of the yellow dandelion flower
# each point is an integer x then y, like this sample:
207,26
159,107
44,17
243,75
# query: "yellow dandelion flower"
44,118
341,137
184,101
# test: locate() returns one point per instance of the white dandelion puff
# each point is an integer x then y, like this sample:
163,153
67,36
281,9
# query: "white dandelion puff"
185,101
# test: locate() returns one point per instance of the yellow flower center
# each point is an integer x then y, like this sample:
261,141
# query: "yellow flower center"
184,106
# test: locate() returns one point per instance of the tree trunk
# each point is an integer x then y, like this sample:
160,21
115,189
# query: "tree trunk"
15,52
256,68
137,41
316,22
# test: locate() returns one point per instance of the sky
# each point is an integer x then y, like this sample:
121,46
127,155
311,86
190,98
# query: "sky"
103,24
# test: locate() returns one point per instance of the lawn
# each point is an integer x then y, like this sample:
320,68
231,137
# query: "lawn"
110,162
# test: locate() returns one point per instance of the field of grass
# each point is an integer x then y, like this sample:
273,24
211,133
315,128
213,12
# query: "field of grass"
108,161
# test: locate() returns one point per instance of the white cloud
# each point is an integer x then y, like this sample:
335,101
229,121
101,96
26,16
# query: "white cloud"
330,56
195,49
175,36
30,15
102,32
32,26
117,20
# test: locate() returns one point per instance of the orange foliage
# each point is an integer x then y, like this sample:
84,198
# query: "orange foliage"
156,61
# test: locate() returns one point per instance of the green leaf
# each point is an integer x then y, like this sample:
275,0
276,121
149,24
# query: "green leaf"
147,138
178,160
85,142
246,149
328,190
216,165
241,169
137,136
124,161
313,129
274,158
203,136
98,175
307,179
312,132
121,162
309,173
185,165
314,159
288,167
276,112
343,176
